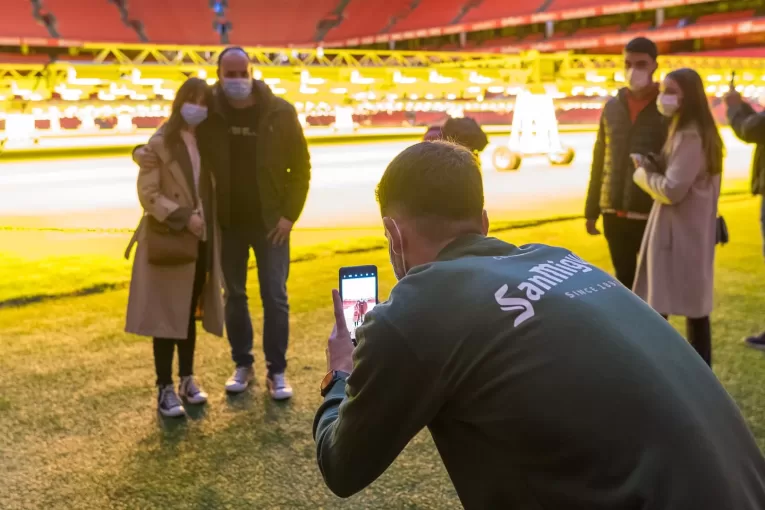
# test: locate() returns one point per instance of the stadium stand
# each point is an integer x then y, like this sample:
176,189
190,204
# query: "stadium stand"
275,23
431,13
494,9
18,20
174,22
559,5
364,18
95,20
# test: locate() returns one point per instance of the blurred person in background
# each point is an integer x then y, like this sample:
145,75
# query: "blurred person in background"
543,381
676,265
253,142
749,127
630,124
177,268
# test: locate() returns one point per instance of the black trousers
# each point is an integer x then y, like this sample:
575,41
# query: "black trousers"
699,334
164,348
624,237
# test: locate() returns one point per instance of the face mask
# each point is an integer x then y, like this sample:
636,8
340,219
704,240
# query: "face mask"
193,114
237,88
638,79
398,270
668,104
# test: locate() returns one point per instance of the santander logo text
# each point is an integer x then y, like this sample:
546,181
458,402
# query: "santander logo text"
546,277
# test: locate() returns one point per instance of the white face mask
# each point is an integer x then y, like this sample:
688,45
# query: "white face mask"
398,270
193,114
638,79
668,104
237,88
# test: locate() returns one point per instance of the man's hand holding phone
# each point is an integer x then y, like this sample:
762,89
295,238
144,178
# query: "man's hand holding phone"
340,347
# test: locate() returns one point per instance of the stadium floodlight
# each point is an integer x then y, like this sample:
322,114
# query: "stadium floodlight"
479,79
434,77
72,79
338,90
357,79
403,80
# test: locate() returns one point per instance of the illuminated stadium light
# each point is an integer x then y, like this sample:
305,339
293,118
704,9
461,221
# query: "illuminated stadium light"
357,79
19,127
404,80
344,119
473,90
257,74
434,77
339,90
272,81
496,89
451,97
279,91
714,78
71,78
135,77
479,79
593,77
201,73
68,94
305,78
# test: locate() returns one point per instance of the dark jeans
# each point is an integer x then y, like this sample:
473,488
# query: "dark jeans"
624,237
273,269
699,334
164,348
762,222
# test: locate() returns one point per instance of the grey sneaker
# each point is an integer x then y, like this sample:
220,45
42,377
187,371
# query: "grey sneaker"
240,380
168,403
278,387
190,392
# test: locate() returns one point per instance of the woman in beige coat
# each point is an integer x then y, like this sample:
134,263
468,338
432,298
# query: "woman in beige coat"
676,264
168,293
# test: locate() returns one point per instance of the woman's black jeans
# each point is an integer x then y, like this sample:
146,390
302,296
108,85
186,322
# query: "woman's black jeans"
699,333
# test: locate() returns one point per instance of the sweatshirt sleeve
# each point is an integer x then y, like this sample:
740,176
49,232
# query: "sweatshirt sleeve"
366,421
300,168
748,125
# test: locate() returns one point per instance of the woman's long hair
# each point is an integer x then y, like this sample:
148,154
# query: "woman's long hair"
190,91
695,110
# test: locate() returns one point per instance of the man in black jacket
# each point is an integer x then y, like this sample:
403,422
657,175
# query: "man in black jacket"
253,143
630,124
749,126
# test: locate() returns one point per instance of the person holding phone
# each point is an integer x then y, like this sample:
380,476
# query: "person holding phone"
676,269
630,124
749,127
167,294
543,381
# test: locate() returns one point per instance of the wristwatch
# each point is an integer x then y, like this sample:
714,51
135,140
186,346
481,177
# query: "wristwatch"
330,379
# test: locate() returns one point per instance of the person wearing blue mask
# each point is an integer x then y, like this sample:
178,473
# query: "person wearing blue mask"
177,274
254,144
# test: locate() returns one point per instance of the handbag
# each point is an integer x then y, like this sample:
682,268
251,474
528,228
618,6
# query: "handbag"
168,247
722,236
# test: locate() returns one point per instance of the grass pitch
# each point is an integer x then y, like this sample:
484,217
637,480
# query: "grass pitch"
78,426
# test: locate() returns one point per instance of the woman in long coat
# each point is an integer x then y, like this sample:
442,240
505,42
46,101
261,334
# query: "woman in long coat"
168,294
676,265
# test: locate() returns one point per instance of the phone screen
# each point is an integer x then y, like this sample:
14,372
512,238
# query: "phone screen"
358,290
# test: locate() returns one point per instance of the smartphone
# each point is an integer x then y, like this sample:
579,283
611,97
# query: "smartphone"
358,290
733,80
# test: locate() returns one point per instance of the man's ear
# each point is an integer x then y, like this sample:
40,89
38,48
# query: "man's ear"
393,235
485,223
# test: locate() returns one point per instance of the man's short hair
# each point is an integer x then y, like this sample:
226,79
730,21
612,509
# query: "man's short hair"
229,50
642,45
438,185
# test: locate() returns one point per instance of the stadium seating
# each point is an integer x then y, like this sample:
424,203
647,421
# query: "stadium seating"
17,20
495,9
362,18
430,13
725,16
559,5
94,20
166,22
276,23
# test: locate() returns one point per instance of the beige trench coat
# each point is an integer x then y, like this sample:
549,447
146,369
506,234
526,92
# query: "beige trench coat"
676,266
159,304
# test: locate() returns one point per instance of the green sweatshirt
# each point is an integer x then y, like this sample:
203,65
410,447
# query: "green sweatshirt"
545,384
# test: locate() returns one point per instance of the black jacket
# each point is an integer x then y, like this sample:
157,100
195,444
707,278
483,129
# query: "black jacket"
611,186
282,165
749,126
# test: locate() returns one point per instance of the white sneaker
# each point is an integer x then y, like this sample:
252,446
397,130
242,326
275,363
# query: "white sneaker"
278,387
190,392
168,403
239,381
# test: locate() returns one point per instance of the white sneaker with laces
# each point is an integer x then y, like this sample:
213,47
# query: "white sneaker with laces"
190,392
278,387
168,403
240,380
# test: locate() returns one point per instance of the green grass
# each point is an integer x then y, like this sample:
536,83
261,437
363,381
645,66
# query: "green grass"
78,428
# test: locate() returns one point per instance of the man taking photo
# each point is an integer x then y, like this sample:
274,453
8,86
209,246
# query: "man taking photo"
253,143
543,381
749,127
630,124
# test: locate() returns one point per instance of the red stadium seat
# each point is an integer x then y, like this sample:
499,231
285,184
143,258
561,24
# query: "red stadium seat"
96,20
276,23
495,9
176,22
725,16
363,18
559,5
17,20
429,14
